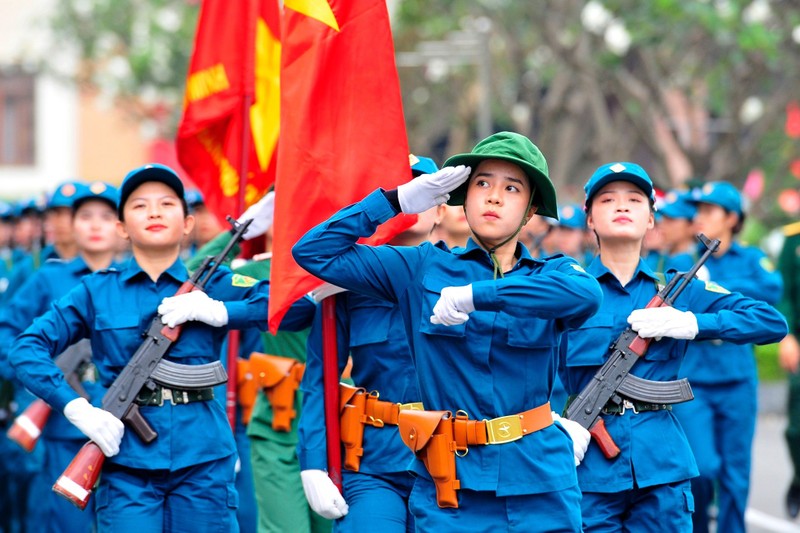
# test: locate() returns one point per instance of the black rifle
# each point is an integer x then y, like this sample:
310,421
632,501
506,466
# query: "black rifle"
28,426
77,481
613,381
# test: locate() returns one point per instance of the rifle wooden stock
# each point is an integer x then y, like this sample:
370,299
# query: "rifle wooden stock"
80,477
27,427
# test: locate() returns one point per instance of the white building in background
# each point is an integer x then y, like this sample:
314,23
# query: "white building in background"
50,130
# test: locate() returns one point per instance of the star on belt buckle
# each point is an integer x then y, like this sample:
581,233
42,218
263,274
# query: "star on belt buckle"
504,429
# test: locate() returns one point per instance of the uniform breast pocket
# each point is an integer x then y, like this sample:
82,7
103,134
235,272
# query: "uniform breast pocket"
588,345
432,290
370,324
119,335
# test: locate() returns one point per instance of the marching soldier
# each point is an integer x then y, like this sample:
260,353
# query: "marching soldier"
723,374
184,480
484,324
646,487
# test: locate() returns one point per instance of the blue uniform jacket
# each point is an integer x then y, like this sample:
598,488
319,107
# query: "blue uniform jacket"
52,281
654,449
372,332
746,270
113,308
500,362
26,264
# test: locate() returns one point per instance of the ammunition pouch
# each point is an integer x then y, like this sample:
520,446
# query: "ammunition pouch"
280,378
357,409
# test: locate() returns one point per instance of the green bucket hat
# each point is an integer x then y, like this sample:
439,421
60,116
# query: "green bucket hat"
517,149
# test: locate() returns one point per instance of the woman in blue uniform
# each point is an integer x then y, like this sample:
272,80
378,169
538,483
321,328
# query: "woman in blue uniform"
721,421
646,487
184,480
483,323
94,222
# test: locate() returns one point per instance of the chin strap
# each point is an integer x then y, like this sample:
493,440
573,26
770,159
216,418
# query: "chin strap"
497,269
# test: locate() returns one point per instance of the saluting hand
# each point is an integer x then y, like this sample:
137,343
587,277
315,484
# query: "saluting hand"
454,306
430,190
262,213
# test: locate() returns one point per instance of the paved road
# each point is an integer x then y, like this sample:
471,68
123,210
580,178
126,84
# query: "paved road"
772,470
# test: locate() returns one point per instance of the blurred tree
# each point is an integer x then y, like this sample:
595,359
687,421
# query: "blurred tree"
689,89
136,53
695,88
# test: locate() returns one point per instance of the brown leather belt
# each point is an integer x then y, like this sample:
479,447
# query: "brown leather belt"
502,429
379,412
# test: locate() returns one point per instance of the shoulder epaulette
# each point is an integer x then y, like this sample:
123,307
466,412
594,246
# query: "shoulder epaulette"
792,229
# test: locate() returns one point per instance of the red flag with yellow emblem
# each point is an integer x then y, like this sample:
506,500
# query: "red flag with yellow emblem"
342,128
228,135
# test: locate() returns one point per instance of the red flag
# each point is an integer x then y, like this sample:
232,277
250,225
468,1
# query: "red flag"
342,128
230,124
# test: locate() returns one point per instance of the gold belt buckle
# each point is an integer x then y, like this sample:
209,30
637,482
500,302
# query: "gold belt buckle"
504,429
413,406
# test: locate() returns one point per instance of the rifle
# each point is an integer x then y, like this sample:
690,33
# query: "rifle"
27,427
78,480
613,381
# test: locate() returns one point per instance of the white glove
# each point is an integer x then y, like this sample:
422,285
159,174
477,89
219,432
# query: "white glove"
430,190
454,306
103,428
663,322
580,436
262,212
325,290
322,495
195,305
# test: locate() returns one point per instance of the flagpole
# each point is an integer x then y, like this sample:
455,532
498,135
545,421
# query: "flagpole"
330,385
244,160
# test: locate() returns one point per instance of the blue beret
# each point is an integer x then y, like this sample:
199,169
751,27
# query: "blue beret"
678,204
421,165
571,216
145,173
719,193
65,194
619,171
97,190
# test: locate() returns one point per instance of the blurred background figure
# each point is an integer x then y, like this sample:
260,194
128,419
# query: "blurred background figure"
789,356
453,228
533,233
720,422
677,223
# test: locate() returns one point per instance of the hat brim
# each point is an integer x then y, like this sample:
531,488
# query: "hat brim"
544,197
145,175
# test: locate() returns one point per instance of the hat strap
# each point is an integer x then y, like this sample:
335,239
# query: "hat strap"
497,269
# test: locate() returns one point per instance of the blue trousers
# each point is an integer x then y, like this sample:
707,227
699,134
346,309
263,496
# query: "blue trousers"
479,511
247,514
653,509
720,424
377,503
197,498
54,514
